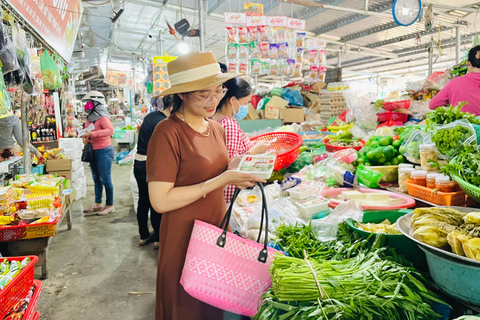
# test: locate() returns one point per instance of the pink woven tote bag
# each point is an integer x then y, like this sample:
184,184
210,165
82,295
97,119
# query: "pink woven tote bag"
225,270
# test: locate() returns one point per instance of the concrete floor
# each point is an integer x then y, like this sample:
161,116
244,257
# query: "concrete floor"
94,267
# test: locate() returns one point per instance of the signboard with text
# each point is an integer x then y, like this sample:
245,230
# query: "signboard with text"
56,21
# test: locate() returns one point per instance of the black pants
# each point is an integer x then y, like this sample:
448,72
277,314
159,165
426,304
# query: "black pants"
140,172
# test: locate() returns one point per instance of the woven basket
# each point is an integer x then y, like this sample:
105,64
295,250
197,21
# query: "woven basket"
390,173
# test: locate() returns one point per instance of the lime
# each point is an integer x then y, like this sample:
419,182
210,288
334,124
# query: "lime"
368,164
378,154
401,159
384,141
389,152
373,138
371,155
382,160
390,139
395,161
397,143
373,144
402,149
360,161
387,163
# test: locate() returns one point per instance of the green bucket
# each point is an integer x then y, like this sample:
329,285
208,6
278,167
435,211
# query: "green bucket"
404,245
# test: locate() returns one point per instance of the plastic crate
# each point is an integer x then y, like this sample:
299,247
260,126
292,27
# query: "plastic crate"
32,306
290,142
458,199
18,288
394,105
394,116
40,169
332,148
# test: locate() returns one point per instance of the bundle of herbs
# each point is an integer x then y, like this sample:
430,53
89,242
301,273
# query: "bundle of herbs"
444,115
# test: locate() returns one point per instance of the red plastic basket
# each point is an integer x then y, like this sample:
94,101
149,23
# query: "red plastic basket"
332,148
394,105
18,288
32,306
288,143
394,116
36,316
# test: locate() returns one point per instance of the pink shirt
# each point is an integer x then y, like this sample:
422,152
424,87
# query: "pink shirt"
461,89
100,138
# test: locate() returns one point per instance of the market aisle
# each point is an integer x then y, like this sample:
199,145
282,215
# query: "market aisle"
93,267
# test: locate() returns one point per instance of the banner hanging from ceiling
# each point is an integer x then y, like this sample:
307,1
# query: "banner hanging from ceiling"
56,21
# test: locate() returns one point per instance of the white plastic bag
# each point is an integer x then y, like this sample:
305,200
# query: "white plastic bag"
326,229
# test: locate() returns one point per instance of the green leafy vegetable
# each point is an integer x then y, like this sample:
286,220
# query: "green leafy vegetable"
444,115
450,141
466,165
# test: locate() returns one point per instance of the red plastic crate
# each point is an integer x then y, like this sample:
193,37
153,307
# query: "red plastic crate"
32,306
18,288
394,116
394,105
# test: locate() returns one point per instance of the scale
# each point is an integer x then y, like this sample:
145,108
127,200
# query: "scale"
10,166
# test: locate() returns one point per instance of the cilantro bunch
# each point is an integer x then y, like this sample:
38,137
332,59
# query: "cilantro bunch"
466,165
450,114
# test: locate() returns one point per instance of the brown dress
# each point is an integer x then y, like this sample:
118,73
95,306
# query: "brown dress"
177,153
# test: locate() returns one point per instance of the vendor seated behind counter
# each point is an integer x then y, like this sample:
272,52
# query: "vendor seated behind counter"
11,127
463,89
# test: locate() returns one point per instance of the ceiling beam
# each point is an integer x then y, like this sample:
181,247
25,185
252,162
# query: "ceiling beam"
407,37
309,13
369,31
214,6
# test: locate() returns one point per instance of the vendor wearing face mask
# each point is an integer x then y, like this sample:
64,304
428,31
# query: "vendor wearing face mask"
234,106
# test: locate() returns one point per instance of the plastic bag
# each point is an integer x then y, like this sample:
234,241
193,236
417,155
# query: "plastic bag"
411,146
361,110
8,56
5,105
451,138
326,229
293,97
50,74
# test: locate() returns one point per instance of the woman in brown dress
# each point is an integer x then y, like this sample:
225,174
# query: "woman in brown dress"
187,172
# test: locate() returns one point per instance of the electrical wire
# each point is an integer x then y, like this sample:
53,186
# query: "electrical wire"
97,4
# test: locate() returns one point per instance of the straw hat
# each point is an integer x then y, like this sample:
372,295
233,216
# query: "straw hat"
195,71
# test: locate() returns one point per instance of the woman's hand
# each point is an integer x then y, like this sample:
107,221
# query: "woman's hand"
260,147
39,155
241,180
87,134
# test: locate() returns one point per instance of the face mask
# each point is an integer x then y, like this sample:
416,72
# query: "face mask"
88,106
242,111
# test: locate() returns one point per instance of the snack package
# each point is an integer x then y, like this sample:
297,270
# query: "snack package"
255,50
232,67
231,34
313,56
243,51
243,67
322,57
274,68
284,70
265,66
274,50
300,42
264,34
298,70
322,71
313,76
255,67
232,50
283,50
291,67
265,50
253,33
299,56
242,34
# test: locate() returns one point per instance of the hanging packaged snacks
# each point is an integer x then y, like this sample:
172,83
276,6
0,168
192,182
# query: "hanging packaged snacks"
274,68
50,75
291,67
243,67
322,71
263,32
265,66
231,34
252,33
273,50
299,56
322,57
255,67
300,42
242,34
243,51
232,50
313,56
313,76
265,50
5,105
284,68
283,50
298,70
255,50
232,67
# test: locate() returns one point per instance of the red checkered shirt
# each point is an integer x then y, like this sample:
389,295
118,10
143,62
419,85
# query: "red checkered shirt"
237,144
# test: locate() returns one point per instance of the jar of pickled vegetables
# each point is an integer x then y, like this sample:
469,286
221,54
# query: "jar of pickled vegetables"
444,184
404,174
431,180
419,177
427,153
405,165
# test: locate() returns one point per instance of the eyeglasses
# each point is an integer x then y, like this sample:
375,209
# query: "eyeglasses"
207,99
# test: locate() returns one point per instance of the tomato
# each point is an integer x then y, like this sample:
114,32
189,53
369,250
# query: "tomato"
395,138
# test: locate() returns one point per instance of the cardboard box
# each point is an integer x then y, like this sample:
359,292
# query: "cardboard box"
75,154
81,193
274,106
292,115
59,165
69,195
252,113
66,174
313,117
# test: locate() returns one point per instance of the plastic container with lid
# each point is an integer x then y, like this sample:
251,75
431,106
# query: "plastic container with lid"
405,165
444,184
419,177
431,179
428,153
404,174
